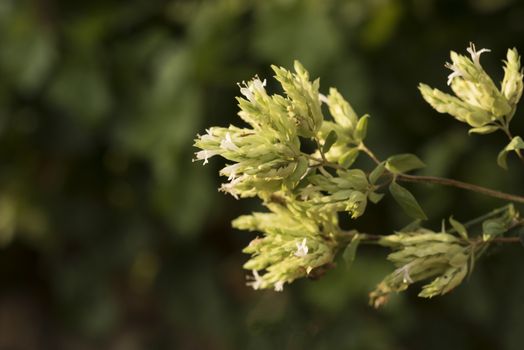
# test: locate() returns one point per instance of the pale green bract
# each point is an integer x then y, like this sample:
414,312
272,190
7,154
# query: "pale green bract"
305,192
293,245
420,255
301,230
477,101
445,256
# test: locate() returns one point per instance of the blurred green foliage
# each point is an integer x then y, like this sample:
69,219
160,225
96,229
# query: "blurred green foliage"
113,239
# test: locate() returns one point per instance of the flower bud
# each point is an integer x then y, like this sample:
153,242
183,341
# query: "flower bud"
291,247
303,99
462,111
473,85
512,82
479,102
341,111
421,255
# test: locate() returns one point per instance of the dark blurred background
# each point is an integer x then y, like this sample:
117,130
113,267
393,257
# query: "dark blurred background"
111,238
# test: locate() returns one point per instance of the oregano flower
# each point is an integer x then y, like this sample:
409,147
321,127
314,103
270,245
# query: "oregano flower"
305,192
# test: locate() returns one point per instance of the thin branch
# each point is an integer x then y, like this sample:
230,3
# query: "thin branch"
506,240
487,216
435,180
430,179
462,185
319,147
516,224
366,150
373,238
451,182
364,237
324,163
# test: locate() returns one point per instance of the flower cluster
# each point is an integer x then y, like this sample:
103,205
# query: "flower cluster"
305,191
349,128
347,192
478,101
304,108
293,245
263,162
299,232
265,155
446,256
420,255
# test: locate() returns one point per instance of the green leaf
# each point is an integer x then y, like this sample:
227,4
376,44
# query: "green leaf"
362,128
402,163
450,279
348,158
487,129
461,229
515,144
355,178
330,140
375,197
300,169
351,251
377,173
341,110
406,201
341,195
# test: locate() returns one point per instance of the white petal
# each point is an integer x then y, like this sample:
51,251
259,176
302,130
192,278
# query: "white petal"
205,155
228,144
302,248
455,72
475,55
256,282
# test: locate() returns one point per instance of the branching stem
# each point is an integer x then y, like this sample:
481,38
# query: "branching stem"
462,185
369,238
448,182
366,150
486,216
322,162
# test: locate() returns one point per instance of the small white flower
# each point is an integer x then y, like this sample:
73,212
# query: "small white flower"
230,186
475,55
208,136
279,286
258,84
231,171
228,144
248,89
455,72
256,282
205,155
404,270
302,248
